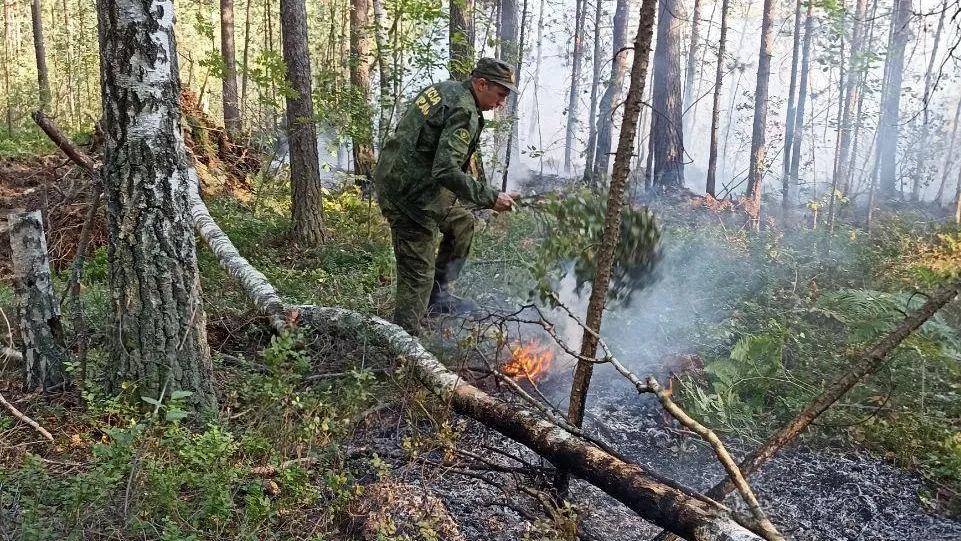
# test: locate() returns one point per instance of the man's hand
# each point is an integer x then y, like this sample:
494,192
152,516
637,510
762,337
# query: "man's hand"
505,201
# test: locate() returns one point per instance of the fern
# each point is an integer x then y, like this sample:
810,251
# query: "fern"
868,314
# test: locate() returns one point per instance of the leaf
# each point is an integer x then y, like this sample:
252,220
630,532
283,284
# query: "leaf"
177,395
175,415
151,401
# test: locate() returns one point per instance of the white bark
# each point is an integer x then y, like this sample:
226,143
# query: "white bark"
37,306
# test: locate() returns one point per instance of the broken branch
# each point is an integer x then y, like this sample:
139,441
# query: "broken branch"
19,415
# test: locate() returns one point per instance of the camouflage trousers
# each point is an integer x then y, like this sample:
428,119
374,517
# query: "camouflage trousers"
420,262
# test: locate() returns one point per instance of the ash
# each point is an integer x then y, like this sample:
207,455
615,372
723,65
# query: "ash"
810,494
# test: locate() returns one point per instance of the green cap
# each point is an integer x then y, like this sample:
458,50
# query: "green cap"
496,71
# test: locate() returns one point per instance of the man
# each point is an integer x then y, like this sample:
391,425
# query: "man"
422,181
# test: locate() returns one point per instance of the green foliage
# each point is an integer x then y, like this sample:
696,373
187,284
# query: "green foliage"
576,225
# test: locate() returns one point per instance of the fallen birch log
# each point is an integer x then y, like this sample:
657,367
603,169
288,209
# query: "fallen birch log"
691,516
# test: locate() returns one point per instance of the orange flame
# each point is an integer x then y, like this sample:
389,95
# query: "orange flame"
529,361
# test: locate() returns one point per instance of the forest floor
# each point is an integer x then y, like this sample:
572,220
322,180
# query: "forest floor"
339,444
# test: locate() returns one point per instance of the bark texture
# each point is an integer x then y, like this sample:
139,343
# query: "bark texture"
612,94
360,60
461,35
159,340
666,127
229,52
711,184
889,125
307,211
39,312
758,166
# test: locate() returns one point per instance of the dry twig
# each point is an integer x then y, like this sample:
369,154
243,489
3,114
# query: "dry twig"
20,415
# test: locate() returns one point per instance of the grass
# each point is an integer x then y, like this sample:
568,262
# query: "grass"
784,316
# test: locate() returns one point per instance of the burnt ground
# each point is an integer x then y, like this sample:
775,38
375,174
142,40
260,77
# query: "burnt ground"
810,493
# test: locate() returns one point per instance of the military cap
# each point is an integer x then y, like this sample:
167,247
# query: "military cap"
496,71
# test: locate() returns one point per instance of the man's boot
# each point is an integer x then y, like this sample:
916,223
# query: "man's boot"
442,302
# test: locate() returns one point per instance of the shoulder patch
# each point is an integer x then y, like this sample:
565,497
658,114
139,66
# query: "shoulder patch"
462,135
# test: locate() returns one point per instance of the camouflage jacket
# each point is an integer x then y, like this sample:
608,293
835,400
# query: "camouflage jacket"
422,166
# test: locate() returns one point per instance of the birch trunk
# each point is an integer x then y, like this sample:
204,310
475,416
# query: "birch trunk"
159,339
39,312
307,211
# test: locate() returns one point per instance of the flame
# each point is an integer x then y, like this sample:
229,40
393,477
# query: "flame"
529,361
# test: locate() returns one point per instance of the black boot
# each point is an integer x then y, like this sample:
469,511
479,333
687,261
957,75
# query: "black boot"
442,302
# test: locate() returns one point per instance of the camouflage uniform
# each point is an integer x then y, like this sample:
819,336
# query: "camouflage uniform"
420,178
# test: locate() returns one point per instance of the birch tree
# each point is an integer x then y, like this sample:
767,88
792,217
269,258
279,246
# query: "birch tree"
158,335
612,94
889,124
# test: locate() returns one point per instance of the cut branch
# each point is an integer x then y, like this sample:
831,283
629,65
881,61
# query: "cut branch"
64,144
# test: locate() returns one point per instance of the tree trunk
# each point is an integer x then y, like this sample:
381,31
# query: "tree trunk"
362,124
461,34
957,200
802,95
510,53
574,95
612,220
791,109
40,331
612,94
939,198
928,91
231,108
246,53
757,166
889,124
711,186
307,220
42,77
666,125
691,65
851,96
589,175
159,329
